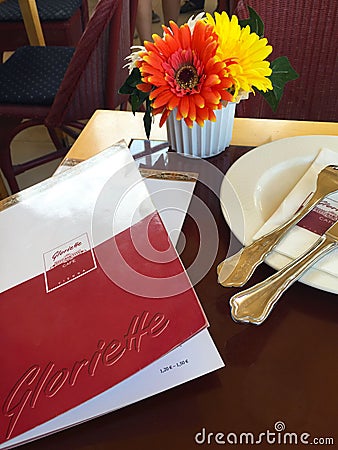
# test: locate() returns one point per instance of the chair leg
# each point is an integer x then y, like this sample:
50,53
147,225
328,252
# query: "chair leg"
6,127
3,190
58,138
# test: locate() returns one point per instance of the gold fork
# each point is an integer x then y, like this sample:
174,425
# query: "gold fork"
237,269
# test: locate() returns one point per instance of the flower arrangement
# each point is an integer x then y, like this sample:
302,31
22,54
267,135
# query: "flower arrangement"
198,67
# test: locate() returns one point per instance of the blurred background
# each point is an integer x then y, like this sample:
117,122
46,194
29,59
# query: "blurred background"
36,140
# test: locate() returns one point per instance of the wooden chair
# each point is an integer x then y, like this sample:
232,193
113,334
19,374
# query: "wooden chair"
59,87
306,32
62,21
3,190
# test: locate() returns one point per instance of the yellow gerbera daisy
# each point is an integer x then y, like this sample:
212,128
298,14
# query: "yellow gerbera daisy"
245,48
181,70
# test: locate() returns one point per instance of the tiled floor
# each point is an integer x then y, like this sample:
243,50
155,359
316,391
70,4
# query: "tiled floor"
36,141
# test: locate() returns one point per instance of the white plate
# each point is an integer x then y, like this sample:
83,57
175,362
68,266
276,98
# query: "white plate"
256,184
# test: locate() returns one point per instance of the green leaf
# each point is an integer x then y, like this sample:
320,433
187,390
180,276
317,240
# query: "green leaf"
134,101
143,96
137,98
125,88
135,77
282,72
254,21
131,82
147,119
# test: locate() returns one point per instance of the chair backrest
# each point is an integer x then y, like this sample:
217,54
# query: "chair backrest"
96,71
306,32
62,21
48,10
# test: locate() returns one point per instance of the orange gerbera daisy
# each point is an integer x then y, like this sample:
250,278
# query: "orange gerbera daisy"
181,70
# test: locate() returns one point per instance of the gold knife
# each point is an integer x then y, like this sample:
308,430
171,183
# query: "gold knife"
255,304
237,269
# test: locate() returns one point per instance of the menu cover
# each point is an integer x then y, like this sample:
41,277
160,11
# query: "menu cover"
170,191
92,290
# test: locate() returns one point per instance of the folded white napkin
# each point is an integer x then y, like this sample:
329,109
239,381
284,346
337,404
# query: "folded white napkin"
299,239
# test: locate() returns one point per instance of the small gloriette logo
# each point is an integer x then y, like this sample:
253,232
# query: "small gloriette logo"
61,253
322,217
47,381
68,262
328,209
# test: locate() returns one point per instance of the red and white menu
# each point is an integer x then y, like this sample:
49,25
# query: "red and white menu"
92,290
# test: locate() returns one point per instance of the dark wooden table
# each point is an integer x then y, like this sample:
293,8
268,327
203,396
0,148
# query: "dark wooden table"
279,376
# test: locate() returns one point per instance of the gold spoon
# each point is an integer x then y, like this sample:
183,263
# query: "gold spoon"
255,304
